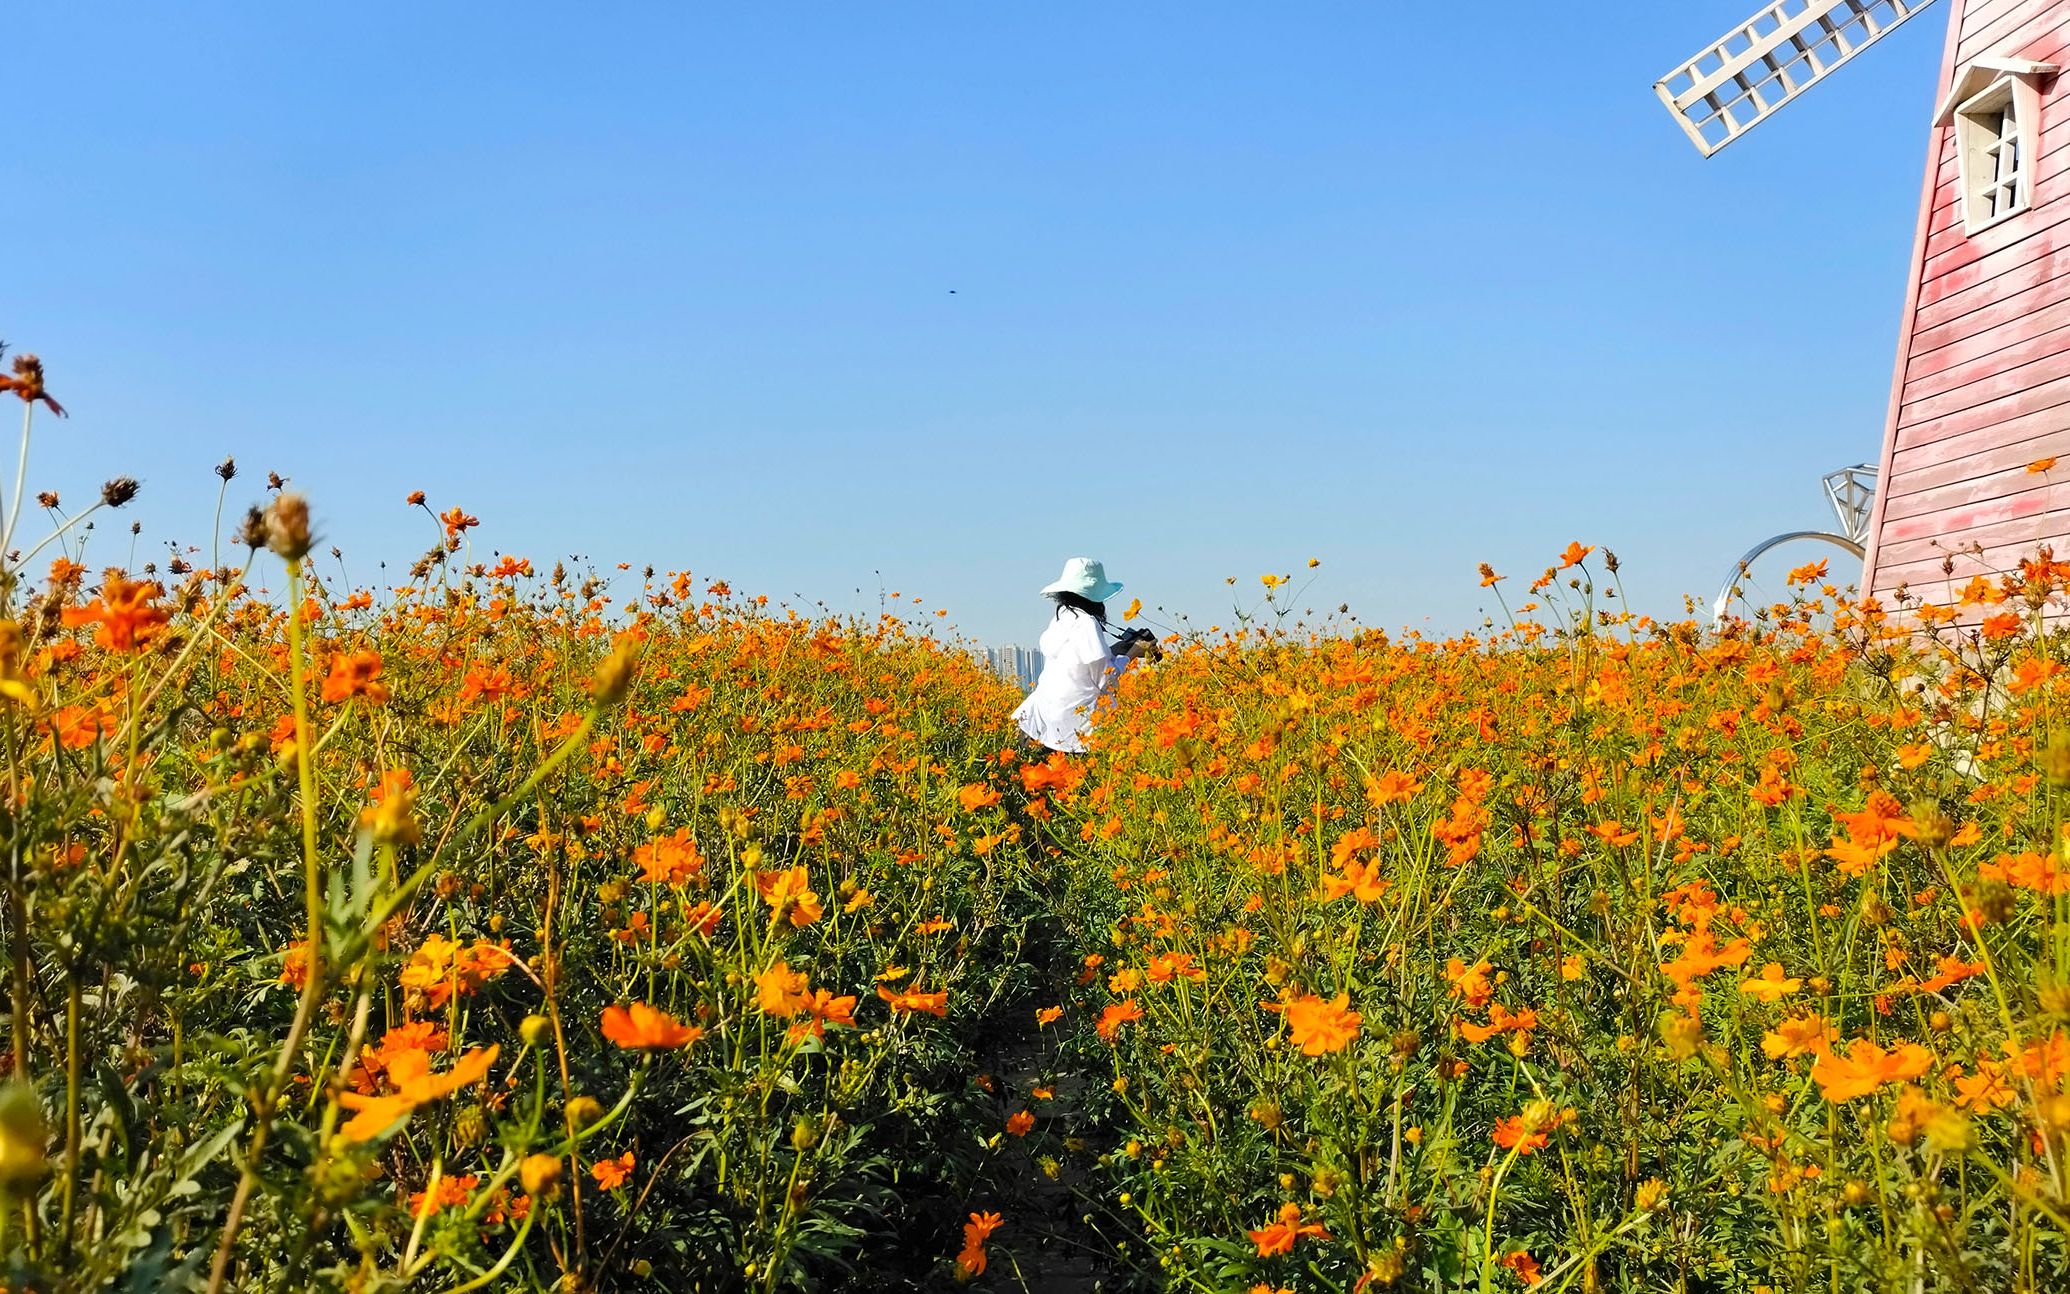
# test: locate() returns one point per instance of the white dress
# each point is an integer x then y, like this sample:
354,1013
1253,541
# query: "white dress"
1076,668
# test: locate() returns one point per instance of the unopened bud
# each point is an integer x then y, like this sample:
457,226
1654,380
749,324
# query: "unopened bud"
540,1175
583,1111
615,675
23,1138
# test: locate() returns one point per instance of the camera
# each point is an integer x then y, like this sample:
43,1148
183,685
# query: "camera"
1130,637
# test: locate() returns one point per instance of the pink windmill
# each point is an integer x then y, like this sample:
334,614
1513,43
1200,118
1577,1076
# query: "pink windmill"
1980,400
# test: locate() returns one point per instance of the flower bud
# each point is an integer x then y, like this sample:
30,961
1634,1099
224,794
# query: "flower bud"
534,1030
540,1175
23,1137
615,675
583,1111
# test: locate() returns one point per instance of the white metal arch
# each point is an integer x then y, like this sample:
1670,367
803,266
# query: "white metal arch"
1850,491
1739,568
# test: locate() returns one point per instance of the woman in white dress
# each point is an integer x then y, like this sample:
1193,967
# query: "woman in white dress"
1078,665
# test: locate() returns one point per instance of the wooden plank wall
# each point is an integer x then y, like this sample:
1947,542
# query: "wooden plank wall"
1982,385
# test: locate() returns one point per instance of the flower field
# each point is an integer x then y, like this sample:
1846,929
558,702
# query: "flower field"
485,932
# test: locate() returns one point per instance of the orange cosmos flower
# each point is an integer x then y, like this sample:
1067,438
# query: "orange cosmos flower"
971,1261
2040,465
640,1027
1319,1027
976,796
781,991
1574,554
2006,624
821,1010
1469,983
1166,967
1361,881
1489,579
613,1173
294,966
702,919
126,615
355,674
1524,1265
1391,787
440,968
1113,1016
914,1000
1868,1067
1701,955
1804,1035
1612,832
415,1085
1520,1134
1020,1123
1048,1015
789,894
1278,1236
1771,985
452,1192
1500,1020
376,1059
392,817
671,860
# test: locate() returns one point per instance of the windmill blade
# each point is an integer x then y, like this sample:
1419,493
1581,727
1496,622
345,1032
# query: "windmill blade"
1770,59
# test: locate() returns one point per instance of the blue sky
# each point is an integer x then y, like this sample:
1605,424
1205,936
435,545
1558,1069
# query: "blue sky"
797,294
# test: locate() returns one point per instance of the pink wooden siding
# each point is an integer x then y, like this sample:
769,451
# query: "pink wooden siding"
1982,386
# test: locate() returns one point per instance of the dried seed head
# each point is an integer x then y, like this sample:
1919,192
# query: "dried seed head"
252,531
273,481
119,491
227,469
27,383
287,527
47,499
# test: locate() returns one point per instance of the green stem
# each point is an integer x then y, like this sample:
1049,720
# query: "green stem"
312,985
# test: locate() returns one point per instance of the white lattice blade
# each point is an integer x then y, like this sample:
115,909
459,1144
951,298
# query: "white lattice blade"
1789,46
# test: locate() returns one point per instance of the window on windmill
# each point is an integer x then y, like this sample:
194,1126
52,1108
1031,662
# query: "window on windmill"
1995,157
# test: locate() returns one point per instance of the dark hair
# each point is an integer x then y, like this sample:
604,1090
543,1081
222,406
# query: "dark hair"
1097,610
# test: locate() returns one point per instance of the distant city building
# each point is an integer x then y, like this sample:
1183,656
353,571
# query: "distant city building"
1020,664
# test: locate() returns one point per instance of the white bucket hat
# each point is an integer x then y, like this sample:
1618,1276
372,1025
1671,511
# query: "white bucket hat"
1087,578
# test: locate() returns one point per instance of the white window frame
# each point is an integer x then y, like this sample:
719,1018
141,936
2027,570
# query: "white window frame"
1981,142
1978,96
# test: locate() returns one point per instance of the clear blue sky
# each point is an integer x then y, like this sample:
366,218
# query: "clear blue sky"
1403,287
